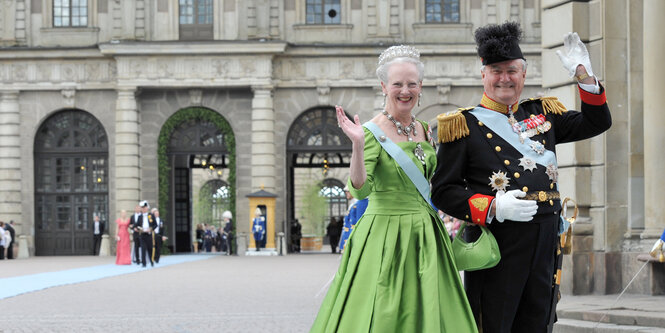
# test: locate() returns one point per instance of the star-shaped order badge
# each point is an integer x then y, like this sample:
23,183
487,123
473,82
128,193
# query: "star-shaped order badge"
499,181
537,147
527,164
552,172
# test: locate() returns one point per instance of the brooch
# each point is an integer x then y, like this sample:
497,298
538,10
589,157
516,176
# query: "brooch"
420,153
499,181
527,164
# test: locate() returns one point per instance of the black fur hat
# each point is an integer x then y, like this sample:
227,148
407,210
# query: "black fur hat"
498,43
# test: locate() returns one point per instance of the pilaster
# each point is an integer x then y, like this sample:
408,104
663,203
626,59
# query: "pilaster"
10,159
654,119
127,184
263,137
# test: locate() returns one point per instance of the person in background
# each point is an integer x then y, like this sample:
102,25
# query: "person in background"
146,225
334,231
199,237
123,255
97,232
354,212
226,232
3,240
9,227
136,235
159,235
258,228
296,235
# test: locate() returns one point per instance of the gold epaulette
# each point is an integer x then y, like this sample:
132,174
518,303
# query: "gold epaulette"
550,104
452,125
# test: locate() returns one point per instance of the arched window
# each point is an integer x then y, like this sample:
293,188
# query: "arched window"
71,182
333,191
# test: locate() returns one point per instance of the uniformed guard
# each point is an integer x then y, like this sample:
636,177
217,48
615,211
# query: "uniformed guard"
658,249
497,167
259,229
354,212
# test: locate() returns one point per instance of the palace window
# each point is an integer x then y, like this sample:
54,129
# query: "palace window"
442,11
323,11
70,13
195,19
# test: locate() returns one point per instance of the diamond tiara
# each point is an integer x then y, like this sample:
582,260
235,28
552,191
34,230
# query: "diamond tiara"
398,51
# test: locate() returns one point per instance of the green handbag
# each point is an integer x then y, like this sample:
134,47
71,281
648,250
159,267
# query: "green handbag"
481,254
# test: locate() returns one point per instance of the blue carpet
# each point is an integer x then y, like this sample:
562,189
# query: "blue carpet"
28,283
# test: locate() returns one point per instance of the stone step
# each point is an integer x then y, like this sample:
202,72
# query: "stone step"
582,326
618,316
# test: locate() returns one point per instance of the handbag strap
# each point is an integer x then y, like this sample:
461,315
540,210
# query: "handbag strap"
402,160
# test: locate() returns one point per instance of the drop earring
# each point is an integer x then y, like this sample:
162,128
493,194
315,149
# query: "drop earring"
420,96
384,101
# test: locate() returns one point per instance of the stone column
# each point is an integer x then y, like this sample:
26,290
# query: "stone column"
127,185
654,118
263,140
10,159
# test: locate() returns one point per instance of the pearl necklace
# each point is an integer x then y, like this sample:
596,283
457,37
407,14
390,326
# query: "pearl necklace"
401,129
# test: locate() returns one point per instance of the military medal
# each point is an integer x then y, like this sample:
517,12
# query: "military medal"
529,127
420,153
552,172
537,147
499,181
527,164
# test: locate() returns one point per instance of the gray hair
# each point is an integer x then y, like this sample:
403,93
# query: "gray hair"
524,65
382,71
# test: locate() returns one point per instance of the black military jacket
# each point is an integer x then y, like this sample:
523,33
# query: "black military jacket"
468,157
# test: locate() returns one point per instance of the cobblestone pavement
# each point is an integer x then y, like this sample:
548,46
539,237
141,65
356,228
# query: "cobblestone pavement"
220,294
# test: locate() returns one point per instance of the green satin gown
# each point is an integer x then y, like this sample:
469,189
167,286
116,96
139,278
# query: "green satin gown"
397,273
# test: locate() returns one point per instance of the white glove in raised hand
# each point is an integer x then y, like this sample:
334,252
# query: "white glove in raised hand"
575,53
658,250
508,207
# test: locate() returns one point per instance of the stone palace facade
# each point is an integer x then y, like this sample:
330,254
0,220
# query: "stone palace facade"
105,102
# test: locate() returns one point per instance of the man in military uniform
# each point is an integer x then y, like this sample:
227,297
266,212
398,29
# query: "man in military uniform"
497,168
146,225
355,211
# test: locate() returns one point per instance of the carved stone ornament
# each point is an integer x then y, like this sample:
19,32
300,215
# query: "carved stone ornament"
69,96
195,96
324,95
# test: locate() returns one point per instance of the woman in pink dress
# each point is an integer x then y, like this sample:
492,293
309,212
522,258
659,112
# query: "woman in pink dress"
123,254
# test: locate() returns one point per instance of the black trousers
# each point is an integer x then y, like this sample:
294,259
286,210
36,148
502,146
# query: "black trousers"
516,295
10,249
2,252
158,247
137,246
146,248
97,241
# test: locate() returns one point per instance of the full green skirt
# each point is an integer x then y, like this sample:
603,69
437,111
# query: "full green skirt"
397,274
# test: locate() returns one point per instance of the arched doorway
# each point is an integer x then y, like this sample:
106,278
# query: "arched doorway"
314,141
213,200
71,182
193,140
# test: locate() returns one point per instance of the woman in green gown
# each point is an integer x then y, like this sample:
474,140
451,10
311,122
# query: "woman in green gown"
397,273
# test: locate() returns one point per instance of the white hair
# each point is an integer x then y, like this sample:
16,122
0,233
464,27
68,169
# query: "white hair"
382,71
227,215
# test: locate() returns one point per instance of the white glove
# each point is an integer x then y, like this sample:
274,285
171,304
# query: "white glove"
508,207
658,250
575,53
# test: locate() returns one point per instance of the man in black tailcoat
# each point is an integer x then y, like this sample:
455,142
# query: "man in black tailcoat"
136,235
146,225
497,168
